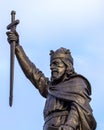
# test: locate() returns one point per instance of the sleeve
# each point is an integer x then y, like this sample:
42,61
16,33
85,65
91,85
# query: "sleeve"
31,72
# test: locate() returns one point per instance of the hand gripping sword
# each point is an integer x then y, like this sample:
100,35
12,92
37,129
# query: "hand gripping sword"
12,27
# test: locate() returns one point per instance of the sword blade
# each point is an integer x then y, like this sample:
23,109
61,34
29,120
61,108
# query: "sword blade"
12,58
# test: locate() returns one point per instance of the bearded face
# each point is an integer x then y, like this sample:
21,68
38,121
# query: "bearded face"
58,69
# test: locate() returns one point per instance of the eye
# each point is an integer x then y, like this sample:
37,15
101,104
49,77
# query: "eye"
53,64
57,63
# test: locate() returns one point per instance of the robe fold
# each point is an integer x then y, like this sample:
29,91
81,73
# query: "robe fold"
76,90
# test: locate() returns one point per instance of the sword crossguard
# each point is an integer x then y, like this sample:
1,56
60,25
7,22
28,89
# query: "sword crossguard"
13,24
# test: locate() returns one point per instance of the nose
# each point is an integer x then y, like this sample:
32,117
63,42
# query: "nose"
51,67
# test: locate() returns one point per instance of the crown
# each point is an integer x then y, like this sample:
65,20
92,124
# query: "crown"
61,53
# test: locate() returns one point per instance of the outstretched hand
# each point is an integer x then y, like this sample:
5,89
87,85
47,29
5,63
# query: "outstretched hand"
12,36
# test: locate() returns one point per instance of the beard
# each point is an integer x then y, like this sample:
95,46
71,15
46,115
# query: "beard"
57,77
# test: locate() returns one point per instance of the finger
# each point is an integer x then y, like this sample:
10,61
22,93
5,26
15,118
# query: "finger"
15,32
9,32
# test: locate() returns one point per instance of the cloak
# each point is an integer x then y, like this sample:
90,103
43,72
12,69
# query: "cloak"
76,90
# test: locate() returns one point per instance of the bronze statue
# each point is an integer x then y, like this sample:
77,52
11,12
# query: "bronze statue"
67,93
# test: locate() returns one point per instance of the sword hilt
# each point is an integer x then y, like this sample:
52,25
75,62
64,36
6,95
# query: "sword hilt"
13,13
14,22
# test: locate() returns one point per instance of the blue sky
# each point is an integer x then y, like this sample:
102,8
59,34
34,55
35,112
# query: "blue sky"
47,25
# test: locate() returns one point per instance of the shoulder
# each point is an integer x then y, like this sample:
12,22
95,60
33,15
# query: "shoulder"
81,78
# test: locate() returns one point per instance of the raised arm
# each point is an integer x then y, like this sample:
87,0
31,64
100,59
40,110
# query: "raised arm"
30,70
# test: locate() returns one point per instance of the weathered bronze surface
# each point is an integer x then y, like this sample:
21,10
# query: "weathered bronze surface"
67,93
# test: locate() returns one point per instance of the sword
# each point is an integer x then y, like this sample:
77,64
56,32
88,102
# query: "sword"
12,27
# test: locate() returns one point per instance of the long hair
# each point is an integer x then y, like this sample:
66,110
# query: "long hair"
69,68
